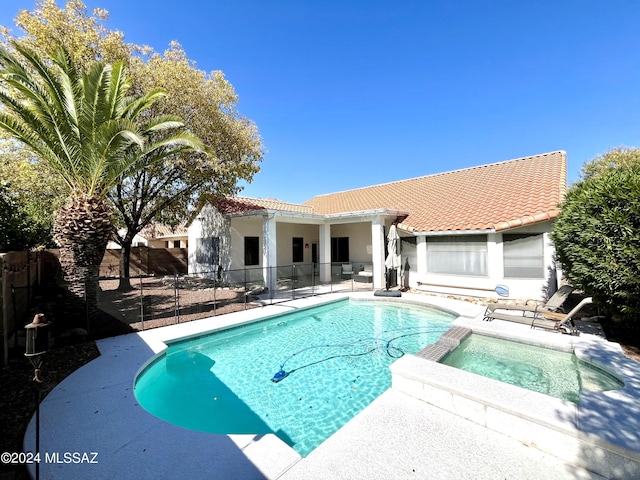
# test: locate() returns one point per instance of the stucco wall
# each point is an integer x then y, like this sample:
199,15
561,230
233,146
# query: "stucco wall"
484,286
359,240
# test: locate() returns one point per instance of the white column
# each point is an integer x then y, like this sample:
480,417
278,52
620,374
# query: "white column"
421,254
377,252
324,248
269,252
495,258
552,271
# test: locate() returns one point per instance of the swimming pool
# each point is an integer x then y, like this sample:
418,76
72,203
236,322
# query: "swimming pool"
559,374
335,358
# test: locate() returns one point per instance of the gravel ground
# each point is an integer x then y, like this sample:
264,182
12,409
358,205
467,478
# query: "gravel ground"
163,305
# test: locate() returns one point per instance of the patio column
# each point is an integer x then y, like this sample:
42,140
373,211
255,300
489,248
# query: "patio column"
269,253
325,253
377,252
495,259
552,270
421,253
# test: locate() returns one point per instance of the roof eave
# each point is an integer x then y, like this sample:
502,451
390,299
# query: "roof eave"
316,216
528,220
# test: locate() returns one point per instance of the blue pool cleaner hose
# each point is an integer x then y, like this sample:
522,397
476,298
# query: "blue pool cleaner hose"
379,344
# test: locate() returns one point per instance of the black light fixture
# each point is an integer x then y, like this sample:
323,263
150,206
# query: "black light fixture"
37,336
37,344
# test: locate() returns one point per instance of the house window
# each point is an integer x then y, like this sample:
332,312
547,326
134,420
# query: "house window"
457,255
176,244
339,249
523,256
298,249
251,251
208,250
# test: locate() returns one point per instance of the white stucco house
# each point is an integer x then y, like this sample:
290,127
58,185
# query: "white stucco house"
462,232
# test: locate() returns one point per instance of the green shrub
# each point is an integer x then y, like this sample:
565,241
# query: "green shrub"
597,238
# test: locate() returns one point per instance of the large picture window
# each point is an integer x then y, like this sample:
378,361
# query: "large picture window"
298,249
251,251
523,256
208,250
457,255
340,249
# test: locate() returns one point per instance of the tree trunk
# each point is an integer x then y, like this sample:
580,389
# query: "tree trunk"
82,229
125,266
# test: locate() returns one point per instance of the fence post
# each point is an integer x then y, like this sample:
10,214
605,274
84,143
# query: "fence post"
215,302
272,284
28,279
15,315
293,282
176,299
141,304
86,306
38,261
330,278
245,287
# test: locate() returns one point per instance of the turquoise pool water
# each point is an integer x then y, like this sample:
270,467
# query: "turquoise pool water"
335,358
554,373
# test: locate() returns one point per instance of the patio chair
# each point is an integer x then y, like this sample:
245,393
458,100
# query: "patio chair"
365,275
544,319
347,270
554,304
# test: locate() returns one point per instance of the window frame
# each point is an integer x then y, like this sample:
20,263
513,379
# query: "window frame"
250,250
510,271
447,255
340,250
208,250
297,249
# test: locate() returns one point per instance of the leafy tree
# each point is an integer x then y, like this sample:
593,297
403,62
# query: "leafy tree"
86,128
34,188
14,222
597,237
207,102
615,158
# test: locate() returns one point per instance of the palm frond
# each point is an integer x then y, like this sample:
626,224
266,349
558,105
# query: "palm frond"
133,106
83,123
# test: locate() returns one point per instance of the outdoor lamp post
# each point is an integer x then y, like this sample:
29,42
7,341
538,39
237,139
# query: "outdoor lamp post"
37,344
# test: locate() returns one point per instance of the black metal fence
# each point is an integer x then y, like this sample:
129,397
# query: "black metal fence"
164,300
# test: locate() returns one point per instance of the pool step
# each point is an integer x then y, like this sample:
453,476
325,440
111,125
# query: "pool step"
454,336
448,342
434,352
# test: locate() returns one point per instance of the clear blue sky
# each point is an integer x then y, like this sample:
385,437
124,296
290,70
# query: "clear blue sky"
354,93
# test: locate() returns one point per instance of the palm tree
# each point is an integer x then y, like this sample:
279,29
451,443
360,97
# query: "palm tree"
85,126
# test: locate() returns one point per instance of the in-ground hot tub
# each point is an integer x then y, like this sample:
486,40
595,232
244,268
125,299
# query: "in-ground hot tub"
600,433
552,372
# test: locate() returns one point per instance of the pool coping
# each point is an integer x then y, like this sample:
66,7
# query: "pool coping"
94,409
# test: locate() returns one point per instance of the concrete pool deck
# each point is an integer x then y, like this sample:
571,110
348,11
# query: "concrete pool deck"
400,435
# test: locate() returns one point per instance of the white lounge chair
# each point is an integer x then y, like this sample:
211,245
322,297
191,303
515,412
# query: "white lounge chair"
554,304
544,319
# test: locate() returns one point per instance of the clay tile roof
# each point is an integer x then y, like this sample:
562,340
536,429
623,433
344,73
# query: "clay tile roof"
158,230
497,197
238,205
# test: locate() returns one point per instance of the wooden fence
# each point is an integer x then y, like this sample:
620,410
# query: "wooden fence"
24,272
147,261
